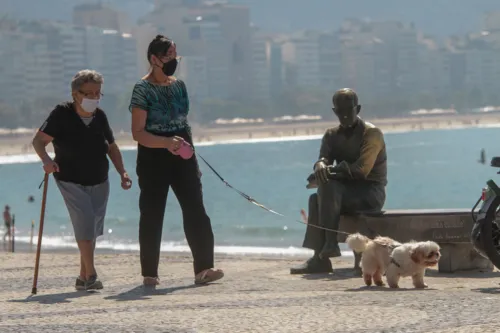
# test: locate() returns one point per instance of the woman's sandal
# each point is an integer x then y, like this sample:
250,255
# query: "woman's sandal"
151,281
208,275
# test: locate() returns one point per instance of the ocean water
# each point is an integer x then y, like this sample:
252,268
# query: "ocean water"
427,169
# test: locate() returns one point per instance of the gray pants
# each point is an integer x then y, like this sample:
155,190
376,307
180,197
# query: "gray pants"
333,199
86,207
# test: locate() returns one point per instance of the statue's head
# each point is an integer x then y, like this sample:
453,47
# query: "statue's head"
346,107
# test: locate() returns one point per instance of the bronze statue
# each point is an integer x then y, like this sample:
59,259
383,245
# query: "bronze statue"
351,174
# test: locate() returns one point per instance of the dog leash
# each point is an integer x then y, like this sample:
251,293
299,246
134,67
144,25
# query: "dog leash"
255,202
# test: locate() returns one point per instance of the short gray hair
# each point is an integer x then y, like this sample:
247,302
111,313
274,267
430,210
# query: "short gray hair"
85,76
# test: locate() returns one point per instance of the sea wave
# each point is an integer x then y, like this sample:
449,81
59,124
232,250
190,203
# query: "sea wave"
68,242
33,158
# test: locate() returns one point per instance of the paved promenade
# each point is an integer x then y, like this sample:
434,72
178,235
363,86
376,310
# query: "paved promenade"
257,295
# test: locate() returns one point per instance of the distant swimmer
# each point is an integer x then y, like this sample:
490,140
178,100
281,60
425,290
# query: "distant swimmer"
482,158
31,198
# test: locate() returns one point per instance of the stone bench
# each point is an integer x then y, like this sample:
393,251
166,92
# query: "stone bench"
450,228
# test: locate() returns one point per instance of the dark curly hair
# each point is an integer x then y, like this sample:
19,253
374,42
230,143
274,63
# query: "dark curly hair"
159,46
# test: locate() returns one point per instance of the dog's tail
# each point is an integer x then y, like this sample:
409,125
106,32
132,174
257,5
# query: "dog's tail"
357,242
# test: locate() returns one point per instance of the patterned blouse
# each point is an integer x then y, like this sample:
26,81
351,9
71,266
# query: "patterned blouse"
167,106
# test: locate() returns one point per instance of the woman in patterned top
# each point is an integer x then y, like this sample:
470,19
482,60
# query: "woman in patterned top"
159,109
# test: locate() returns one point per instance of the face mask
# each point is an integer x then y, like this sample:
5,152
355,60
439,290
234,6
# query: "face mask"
89,105
170,67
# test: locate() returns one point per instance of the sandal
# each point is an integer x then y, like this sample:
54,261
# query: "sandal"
151,281
208,275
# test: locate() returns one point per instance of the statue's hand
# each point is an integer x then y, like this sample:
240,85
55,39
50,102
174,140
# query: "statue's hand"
321,172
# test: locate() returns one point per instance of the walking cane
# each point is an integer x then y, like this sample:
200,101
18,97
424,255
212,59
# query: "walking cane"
40,231
13,233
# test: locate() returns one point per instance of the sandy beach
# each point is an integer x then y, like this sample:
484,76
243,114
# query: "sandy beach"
16,144
257,295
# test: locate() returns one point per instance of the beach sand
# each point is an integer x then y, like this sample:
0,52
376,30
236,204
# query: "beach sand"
257,295
21,144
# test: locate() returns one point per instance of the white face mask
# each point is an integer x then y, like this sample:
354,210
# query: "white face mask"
89,105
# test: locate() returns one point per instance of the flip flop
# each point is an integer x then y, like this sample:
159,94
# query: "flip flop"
151,281
204,277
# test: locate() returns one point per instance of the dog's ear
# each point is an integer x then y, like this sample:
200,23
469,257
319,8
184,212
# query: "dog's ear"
417,255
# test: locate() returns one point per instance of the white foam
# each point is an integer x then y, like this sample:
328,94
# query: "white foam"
51,242
20,158
33,158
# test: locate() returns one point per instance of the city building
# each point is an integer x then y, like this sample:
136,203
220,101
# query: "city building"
267,67
379,57
329,61
434,65
193,71
114,55
261,67
216,30
475,68
206,39
482,73
101,16
143,34
302,62
276,68
13,45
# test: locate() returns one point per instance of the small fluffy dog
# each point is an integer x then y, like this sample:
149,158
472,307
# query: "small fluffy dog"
385,255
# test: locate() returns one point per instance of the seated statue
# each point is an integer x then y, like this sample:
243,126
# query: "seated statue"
351,176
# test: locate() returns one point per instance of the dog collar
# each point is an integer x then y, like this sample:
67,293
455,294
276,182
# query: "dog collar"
395,262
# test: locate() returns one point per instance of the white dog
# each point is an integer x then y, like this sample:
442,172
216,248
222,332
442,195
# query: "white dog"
385,255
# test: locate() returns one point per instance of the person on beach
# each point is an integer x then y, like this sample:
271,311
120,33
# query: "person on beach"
351,175
7,220
82,140
159,107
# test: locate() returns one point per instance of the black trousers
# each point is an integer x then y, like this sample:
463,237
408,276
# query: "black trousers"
158,170
335,198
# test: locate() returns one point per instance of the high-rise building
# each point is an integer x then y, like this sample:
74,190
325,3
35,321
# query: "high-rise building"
13,63
193,71
101,16
482,63
302,60
267,67
380,56
358,66
206,37
143,34
261,67
72,52
43,57
115,56
235,24
276,68
218,31
434,69
330,61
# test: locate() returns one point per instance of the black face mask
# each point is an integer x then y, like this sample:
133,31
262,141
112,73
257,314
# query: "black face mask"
170,67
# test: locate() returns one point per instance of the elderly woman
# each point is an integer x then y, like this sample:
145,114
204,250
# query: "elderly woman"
81,136
159,108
